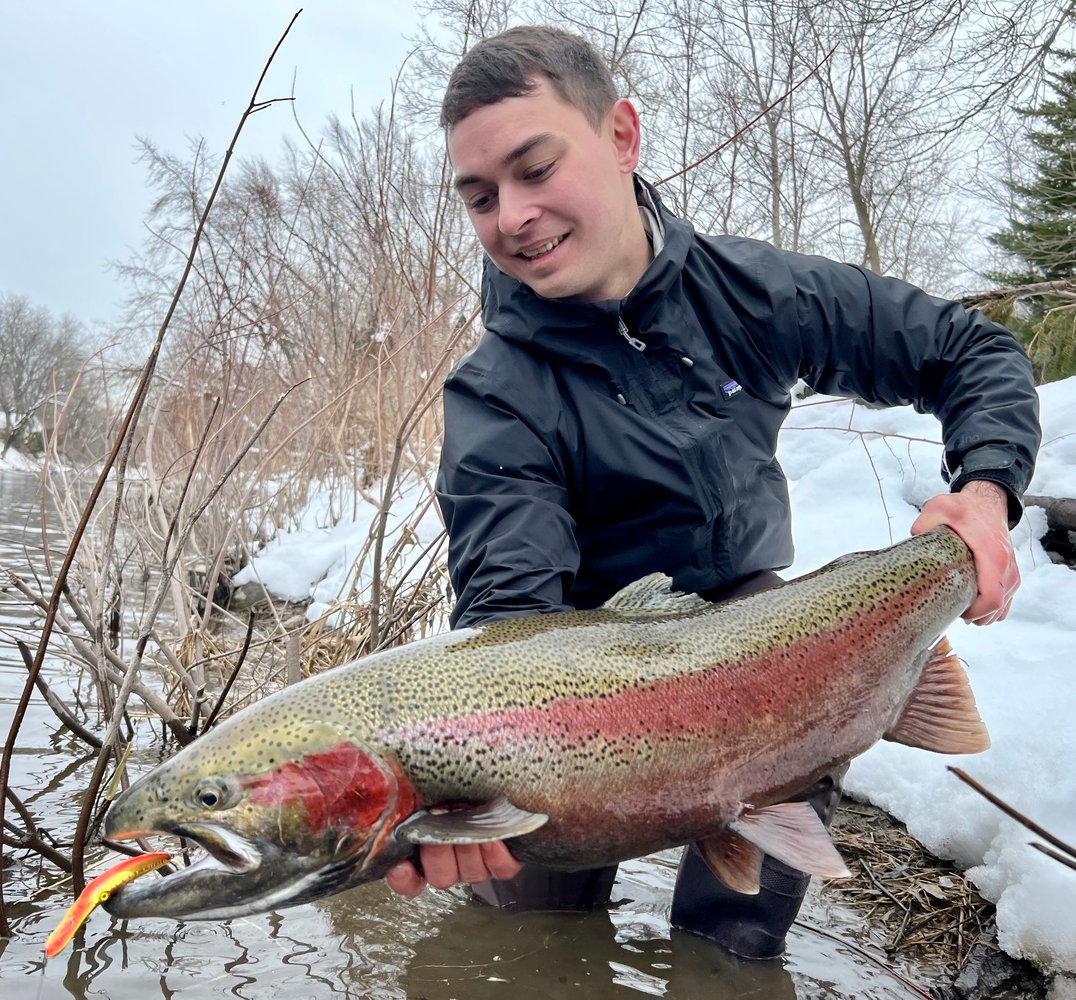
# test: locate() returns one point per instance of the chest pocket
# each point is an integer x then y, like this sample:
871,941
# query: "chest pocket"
651,486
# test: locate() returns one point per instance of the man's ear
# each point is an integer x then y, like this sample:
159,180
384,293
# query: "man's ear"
623,123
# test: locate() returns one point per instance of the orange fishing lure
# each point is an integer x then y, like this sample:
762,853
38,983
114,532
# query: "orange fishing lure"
96,892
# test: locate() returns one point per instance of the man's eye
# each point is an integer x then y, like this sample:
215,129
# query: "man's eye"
540,173
480,203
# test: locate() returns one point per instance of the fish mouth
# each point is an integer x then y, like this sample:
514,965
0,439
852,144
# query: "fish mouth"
230,851
199,890
224,848
235,876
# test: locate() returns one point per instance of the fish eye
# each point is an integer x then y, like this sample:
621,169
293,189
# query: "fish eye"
211,793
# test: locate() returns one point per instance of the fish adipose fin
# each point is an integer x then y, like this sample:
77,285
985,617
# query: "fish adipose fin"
792,832
479,824
941,715
734,860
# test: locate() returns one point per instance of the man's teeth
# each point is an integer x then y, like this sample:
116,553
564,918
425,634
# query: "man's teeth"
543,249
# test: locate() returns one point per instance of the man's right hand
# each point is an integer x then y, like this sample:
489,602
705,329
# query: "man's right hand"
445,866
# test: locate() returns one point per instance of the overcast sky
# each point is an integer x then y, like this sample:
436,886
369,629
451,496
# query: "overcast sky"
81,80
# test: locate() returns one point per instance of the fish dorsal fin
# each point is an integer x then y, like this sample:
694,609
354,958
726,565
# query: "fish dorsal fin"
733,860
792,832
941,715
654,593
847,557
478,824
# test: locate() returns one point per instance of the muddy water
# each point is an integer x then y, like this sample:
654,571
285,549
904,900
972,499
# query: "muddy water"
367,942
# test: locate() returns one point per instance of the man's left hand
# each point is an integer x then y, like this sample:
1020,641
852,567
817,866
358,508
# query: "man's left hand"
979,515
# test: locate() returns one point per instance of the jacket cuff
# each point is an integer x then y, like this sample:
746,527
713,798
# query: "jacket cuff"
1005,479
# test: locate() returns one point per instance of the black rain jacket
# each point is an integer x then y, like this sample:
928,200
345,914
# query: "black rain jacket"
587,444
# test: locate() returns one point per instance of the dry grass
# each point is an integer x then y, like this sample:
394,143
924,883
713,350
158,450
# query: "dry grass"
413,611
927,908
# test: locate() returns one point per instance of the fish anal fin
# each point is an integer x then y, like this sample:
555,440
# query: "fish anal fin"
792,832
475,824
733,860
941,714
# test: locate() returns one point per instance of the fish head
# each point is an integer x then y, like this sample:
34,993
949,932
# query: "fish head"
281,820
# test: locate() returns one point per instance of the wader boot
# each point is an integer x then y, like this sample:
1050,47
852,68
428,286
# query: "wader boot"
749,926
539,888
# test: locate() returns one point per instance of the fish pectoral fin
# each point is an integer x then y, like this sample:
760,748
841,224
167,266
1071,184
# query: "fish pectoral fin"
941,715
734,860
477,824
792,832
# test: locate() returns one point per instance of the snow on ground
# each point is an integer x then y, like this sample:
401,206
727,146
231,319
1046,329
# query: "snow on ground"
327,563
1022,670
16,461
855,477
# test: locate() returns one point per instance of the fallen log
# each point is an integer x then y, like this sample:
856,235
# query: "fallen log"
1060,511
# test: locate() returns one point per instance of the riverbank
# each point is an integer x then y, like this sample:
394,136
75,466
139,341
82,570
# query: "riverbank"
925,915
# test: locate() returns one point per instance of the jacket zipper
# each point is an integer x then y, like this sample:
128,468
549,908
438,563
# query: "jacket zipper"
622,329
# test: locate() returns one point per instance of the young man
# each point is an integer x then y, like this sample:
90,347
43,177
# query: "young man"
620,415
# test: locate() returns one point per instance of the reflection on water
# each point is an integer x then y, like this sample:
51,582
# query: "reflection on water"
367,942
370,943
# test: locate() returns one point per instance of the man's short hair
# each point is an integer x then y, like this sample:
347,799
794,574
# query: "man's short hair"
511,63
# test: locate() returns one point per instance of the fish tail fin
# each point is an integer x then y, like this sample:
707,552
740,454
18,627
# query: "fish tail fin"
941,714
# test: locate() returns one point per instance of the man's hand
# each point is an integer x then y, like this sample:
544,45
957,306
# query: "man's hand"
445,866
979,515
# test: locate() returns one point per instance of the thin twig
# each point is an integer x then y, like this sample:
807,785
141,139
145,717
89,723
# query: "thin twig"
1015,814
235,673
762,114
63,713
1056,855
884,966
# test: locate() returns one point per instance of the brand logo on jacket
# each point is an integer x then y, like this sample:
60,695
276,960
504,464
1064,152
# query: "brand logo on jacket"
730,388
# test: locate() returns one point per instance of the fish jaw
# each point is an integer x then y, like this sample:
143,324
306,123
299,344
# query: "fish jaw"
225,884
315,825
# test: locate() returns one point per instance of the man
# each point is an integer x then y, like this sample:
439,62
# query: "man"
620,415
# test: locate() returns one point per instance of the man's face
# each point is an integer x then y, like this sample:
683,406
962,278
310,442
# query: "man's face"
551,199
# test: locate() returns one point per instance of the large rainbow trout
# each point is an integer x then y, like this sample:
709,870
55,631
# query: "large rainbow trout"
583,737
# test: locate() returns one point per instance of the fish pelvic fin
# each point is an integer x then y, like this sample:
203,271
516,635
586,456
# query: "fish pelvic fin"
791,832
941,714
477,824
733,860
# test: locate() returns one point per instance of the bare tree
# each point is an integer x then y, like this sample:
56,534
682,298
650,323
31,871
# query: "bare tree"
41,358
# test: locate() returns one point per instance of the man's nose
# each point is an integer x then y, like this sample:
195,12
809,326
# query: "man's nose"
516,209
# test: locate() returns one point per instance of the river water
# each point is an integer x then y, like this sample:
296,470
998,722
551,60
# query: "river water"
366,942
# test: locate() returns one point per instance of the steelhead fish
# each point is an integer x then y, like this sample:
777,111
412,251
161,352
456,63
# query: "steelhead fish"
582,737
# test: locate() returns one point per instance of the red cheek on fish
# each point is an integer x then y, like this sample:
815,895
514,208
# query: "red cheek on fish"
342,789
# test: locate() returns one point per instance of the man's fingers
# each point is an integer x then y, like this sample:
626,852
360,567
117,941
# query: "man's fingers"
499,861
439,864
978,514
470,864
443,867
993,606
405,879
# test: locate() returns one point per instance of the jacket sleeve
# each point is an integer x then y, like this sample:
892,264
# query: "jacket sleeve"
893,344
512,547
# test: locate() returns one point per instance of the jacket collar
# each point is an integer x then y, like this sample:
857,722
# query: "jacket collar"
578,330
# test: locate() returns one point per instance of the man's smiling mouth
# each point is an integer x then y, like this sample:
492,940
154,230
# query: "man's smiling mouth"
542,250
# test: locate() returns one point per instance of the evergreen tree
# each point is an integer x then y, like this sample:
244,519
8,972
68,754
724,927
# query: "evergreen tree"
1042,236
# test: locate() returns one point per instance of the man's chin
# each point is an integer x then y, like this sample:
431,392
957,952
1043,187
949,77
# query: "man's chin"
558,285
